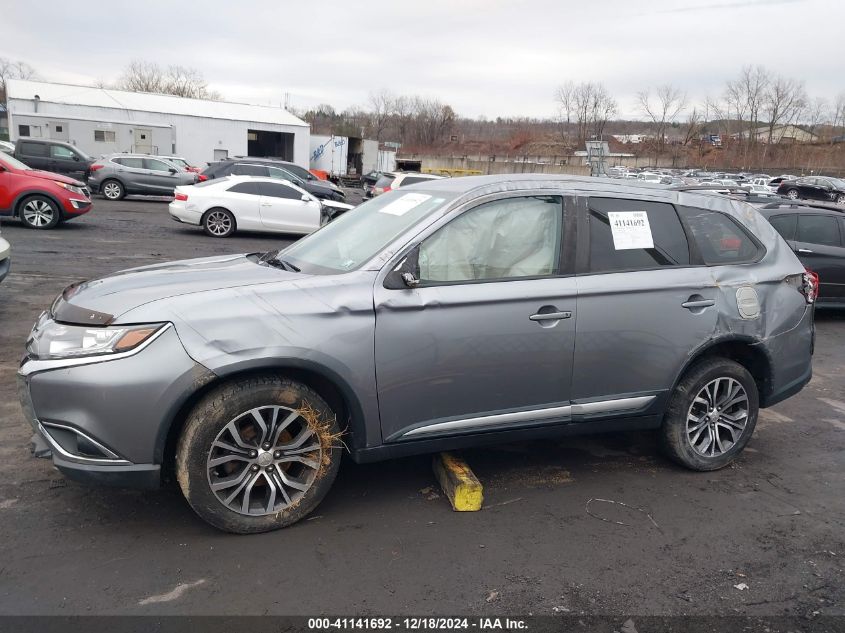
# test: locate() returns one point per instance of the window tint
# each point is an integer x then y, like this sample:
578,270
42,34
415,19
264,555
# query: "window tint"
278,190
157,165
34,149
818,229
670,246
252,188
410,180
719,237
58,151
504,239
281,174
248,170
785,225
384,182
134,163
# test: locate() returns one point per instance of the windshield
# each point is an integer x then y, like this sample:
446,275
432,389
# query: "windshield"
837,182
361,233
14,163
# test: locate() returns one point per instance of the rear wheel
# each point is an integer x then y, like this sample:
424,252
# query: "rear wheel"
840,199
112,190
39,212
258,454
219,223
711,415
792,194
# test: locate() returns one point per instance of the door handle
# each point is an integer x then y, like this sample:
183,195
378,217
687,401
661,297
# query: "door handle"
550,316
266,204
806,251
699,303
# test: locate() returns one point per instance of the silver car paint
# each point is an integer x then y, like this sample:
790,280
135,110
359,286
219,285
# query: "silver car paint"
413,357
140,181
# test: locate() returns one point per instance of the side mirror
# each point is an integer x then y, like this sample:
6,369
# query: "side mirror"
305,197
76,158
171,170
404,276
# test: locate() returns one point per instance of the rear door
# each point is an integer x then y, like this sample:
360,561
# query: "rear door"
132,173
820,246
283,209
644,304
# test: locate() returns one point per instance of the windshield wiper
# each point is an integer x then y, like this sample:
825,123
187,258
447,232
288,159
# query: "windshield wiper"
271,258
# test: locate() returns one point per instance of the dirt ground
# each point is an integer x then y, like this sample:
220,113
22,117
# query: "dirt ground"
764,537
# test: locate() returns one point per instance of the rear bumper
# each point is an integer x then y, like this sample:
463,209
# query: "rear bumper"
181,212
791,356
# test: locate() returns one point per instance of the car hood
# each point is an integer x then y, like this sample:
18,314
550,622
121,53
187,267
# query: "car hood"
101,301
49,175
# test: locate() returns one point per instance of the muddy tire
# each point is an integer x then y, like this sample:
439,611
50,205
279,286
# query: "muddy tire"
711,415
258,454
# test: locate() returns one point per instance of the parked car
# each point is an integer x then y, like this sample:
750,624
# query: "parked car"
774,183
391,180
817,236
368,182
759,190
181,162
40,199
116,175
435,317
53,156
323,189
6,147
5,258
814,188
225,205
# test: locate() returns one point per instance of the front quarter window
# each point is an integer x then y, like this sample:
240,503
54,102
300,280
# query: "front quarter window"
362,233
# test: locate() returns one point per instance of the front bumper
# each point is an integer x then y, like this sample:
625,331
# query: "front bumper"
106,419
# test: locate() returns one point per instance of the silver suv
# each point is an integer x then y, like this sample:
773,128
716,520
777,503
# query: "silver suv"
454,313
117,175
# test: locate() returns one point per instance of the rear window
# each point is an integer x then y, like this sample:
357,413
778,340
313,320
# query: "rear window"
384,182
818,229
609,252
33,149
720,238
252,188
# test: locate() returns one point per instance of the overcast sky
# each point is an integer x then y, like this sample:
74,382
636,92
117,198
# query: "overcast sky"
483,57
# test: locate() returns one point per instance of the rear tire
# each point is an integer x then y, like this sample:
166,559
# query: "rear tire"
258,454
39,212
112,190
711,415
219,222
792,194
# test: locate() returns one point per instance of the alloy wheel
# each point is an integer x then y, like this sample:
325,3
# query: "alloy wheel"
38,213
717,417
219,223
264,461
792,194
111,190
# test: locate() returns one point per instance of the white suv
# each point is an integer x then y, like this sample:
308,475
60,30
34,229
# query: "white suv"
391,180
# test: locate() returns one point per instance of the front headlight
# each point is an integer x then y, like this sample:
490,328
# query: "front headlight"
71,188
56,340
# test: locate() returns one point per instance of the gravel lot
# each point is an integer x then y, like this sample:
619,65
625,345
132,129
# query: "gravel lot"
381,543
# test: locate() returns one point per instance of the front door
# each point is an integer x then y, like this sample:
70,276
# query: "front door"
143,141
66,161
163,177
485,341
642,307
283,209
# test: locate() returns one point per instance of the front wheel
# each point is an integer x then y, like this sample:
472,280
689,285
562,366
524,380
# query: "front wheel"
39,212
258,454
711,415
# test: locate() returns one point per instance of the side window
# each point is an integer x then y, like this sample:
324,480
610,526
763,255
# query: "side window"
617,229
719,237
156,165
278,190
34,149
281,174
133,163
504,239
785,225
252,188
248,170
818,229
412,180
58,151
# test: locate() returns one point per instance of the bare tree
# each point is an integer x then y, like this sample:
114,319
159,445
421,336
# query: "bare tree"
838,121
382,107
816,113
13,70
783,102
662,108
565,97
144,76
692,127
593,106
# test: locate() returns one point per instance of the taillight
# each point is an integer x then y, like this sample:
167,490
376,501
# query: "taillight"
95,167
202,177
810,287
386,189
181,196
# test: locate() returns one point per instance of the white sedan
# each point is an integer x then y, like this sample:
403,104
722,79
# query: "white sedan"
224,205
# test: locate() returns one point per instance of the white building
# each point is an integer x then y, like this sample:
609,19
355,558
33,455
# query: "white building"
102,121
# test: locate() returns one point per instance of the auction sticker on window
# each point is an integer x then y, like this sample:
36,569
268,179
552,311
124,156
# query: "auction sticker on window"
630,230
405,203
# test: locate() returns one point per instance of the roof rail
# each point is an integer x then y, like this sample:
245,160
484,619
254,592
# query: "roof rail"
786,203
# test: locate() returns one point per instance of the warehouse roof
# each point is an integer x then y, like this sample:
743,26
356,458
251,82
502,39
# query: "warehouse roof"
147,102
